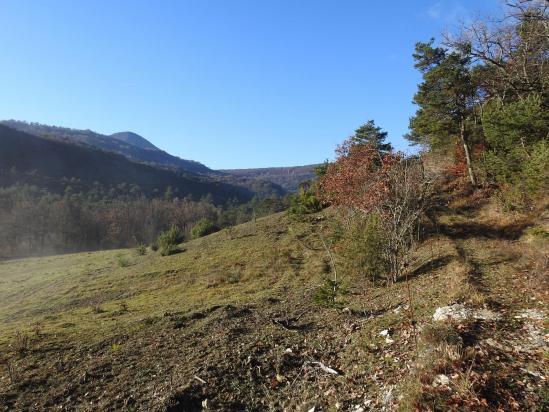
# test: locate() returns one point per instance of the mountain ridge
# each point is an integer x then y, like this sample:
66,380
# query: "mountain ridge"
50,164
263,181
134,139
122,146
288,177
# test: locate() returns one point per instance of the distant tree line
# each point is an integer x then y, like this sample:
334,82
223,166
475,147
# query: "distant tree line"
34,221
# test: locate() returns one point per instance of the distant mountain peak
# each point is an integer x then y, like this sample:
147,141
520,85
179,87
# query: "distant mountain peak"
134,139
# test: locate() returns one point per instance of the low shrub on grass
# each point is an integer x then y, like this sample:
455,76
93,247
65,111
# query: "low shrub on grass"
330,293
168,241
304,202
537,232
362,249
141,250
123,261
202,228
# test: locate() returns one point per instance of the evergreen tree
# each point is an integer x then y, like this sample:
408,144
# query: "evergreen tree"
373,135
446,99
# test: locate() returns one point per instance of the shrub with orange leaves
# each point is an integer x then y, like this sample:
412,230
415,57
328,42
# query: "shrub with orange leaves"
359,178
390,185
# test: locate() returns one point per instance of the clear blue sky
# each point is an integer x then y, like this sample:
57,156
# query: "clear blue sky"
230,83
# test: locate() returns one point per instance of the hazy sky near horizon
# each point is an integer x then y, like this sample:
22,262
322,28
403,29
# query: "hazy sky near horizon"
230,83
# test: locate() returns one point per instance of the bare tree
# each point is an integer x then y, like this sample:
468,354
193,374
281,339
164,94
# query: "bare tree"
513,50
409,197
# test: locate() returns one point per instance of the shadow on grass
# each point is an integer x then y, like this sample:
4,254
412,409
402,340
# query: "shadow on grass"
469,230
430,265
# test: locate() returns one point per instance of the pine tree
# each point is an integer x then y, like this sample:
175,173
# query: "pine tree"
373,135
446,99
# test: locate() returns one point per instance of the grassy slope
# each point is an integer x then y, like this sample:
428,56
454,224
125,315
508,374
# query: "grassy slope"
62,292
236,310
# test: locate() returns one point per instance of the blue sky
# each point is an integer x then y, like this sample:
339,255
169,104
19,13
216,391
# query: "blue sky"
230,83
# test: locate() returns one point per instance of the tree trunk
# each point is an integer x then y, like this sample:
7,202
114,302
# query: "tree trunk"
467,154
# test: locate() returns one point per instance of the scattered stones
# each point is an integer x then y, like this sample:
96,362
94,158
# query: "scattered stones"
530,314
534,374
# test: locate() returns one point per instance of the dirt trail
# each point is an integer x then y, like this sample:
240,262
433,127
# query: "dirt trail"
511,364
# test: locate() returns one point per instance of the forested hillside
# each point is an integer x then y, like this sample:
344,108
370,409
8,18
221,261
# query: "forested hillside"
120,143
58,197
60,166
287,177
139,149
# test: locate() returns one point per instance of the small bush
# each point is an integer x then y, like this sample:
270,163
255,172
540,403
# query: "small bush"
441,334
37,328
202,228
12,372
330,293
362,249
304,202
123,261
168,241
228,278
141,250
154,246
97,309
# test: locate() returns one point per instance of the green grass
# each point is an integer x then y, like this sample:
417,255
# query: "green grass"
61,291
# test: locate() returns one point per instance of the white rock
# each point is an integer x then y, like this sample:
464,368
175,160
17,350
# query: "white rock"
486,314
457,311
530,314
441,380
384,332
387,396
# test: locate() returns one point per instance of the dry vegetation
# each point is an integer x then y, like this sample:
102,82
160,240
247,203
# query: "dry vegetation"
231,324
